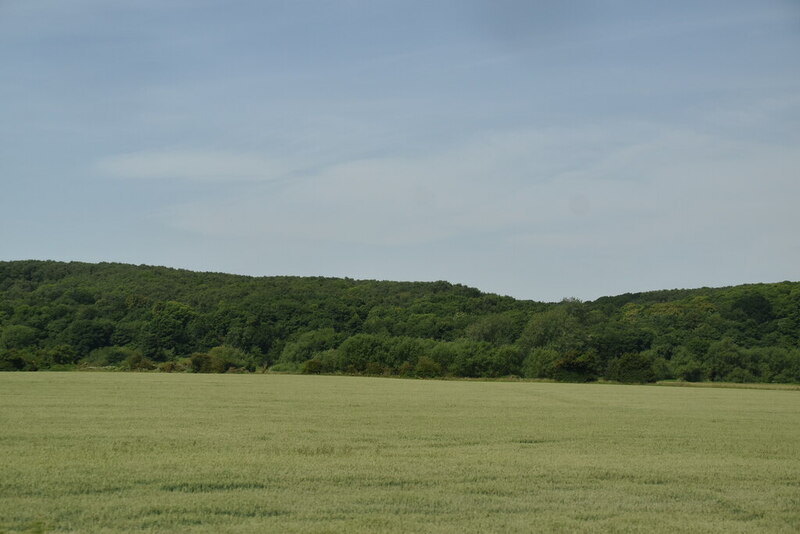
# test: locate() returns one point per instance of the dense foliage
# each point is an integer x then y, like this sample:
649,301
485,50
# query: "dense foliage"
65,315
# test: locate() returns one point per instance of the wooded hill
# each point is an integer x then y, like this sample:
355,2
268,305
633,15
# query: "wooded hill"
57,315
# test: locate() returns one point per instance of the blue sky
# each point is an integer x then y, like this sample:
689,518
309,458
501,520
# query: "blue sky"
537,149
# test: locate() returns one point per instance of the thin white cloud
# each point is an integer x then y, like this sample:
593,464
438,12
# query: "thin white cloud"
617,186
211,166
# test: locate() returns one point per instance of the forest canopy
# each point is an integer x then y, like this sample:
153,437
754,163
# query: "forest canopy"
60,316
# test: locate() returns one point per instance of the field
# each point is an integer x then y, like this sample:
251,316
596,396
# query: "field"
114,452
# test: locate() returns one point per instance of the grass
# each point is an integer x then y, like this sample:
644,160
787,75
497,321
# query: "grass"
122,452
757,385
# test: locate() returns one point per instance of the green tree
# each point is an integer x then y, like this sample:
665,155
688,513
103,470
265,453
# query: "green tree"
498,328
577,367
634,367
558,328
18,336
723,357
308,344
540,363
358,350
89,334
167,331
427,368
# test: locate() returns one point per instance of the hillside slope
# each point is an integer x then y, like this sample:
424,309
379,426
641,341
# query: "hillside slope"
57,315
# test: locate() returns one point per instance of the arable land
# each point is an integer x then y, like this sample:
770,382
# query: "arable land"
247,453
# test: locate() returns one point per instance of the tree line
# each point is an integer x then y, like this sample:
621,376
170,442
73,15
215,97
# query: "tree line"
61,316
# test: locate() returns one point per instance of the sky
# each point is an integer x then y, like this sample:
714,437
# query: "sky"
537,149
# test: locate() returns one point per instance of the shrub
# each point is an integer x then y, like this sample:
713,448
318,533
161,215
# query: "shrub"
740,375
356,351
137,362
691,372
506,360
200,362
685,366
661,369
427,368
18,336
89,334
221,359
16,360
225,357
311,367
407,349
375,369
498,328
309,343
540,363
328,359
633,367
286,367
110,356
168,367
62,354
470,358
406,369
576,367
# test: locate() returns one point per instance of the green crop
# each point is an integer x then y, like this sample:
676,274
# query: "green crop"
122,452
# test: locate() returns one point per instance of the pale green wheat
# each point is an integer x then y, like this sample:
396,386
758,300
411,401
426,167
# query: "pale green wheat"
107,452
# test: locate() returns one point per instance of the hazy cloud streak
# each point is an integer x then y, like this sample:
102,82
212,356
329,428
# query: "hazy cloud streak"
191,165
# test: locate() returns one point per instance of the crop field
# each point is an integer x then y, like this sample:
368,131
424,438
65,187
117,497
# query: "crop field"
123,452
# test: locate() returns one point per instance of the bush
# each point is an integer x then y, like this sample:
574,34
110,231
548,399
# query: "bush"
137,362
661,369
110,356
62,354
206,363
200,362
211,364
376,369
631,367
16,360
427,368
723,357
506,360
226,358
690,372
499,328
685,366
470,358
540,363
741,376
576,367
286,367
18,336
311,367
221,359
309,343
168,367
445,354
328,359
407,349
87,335
406,369
356,351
